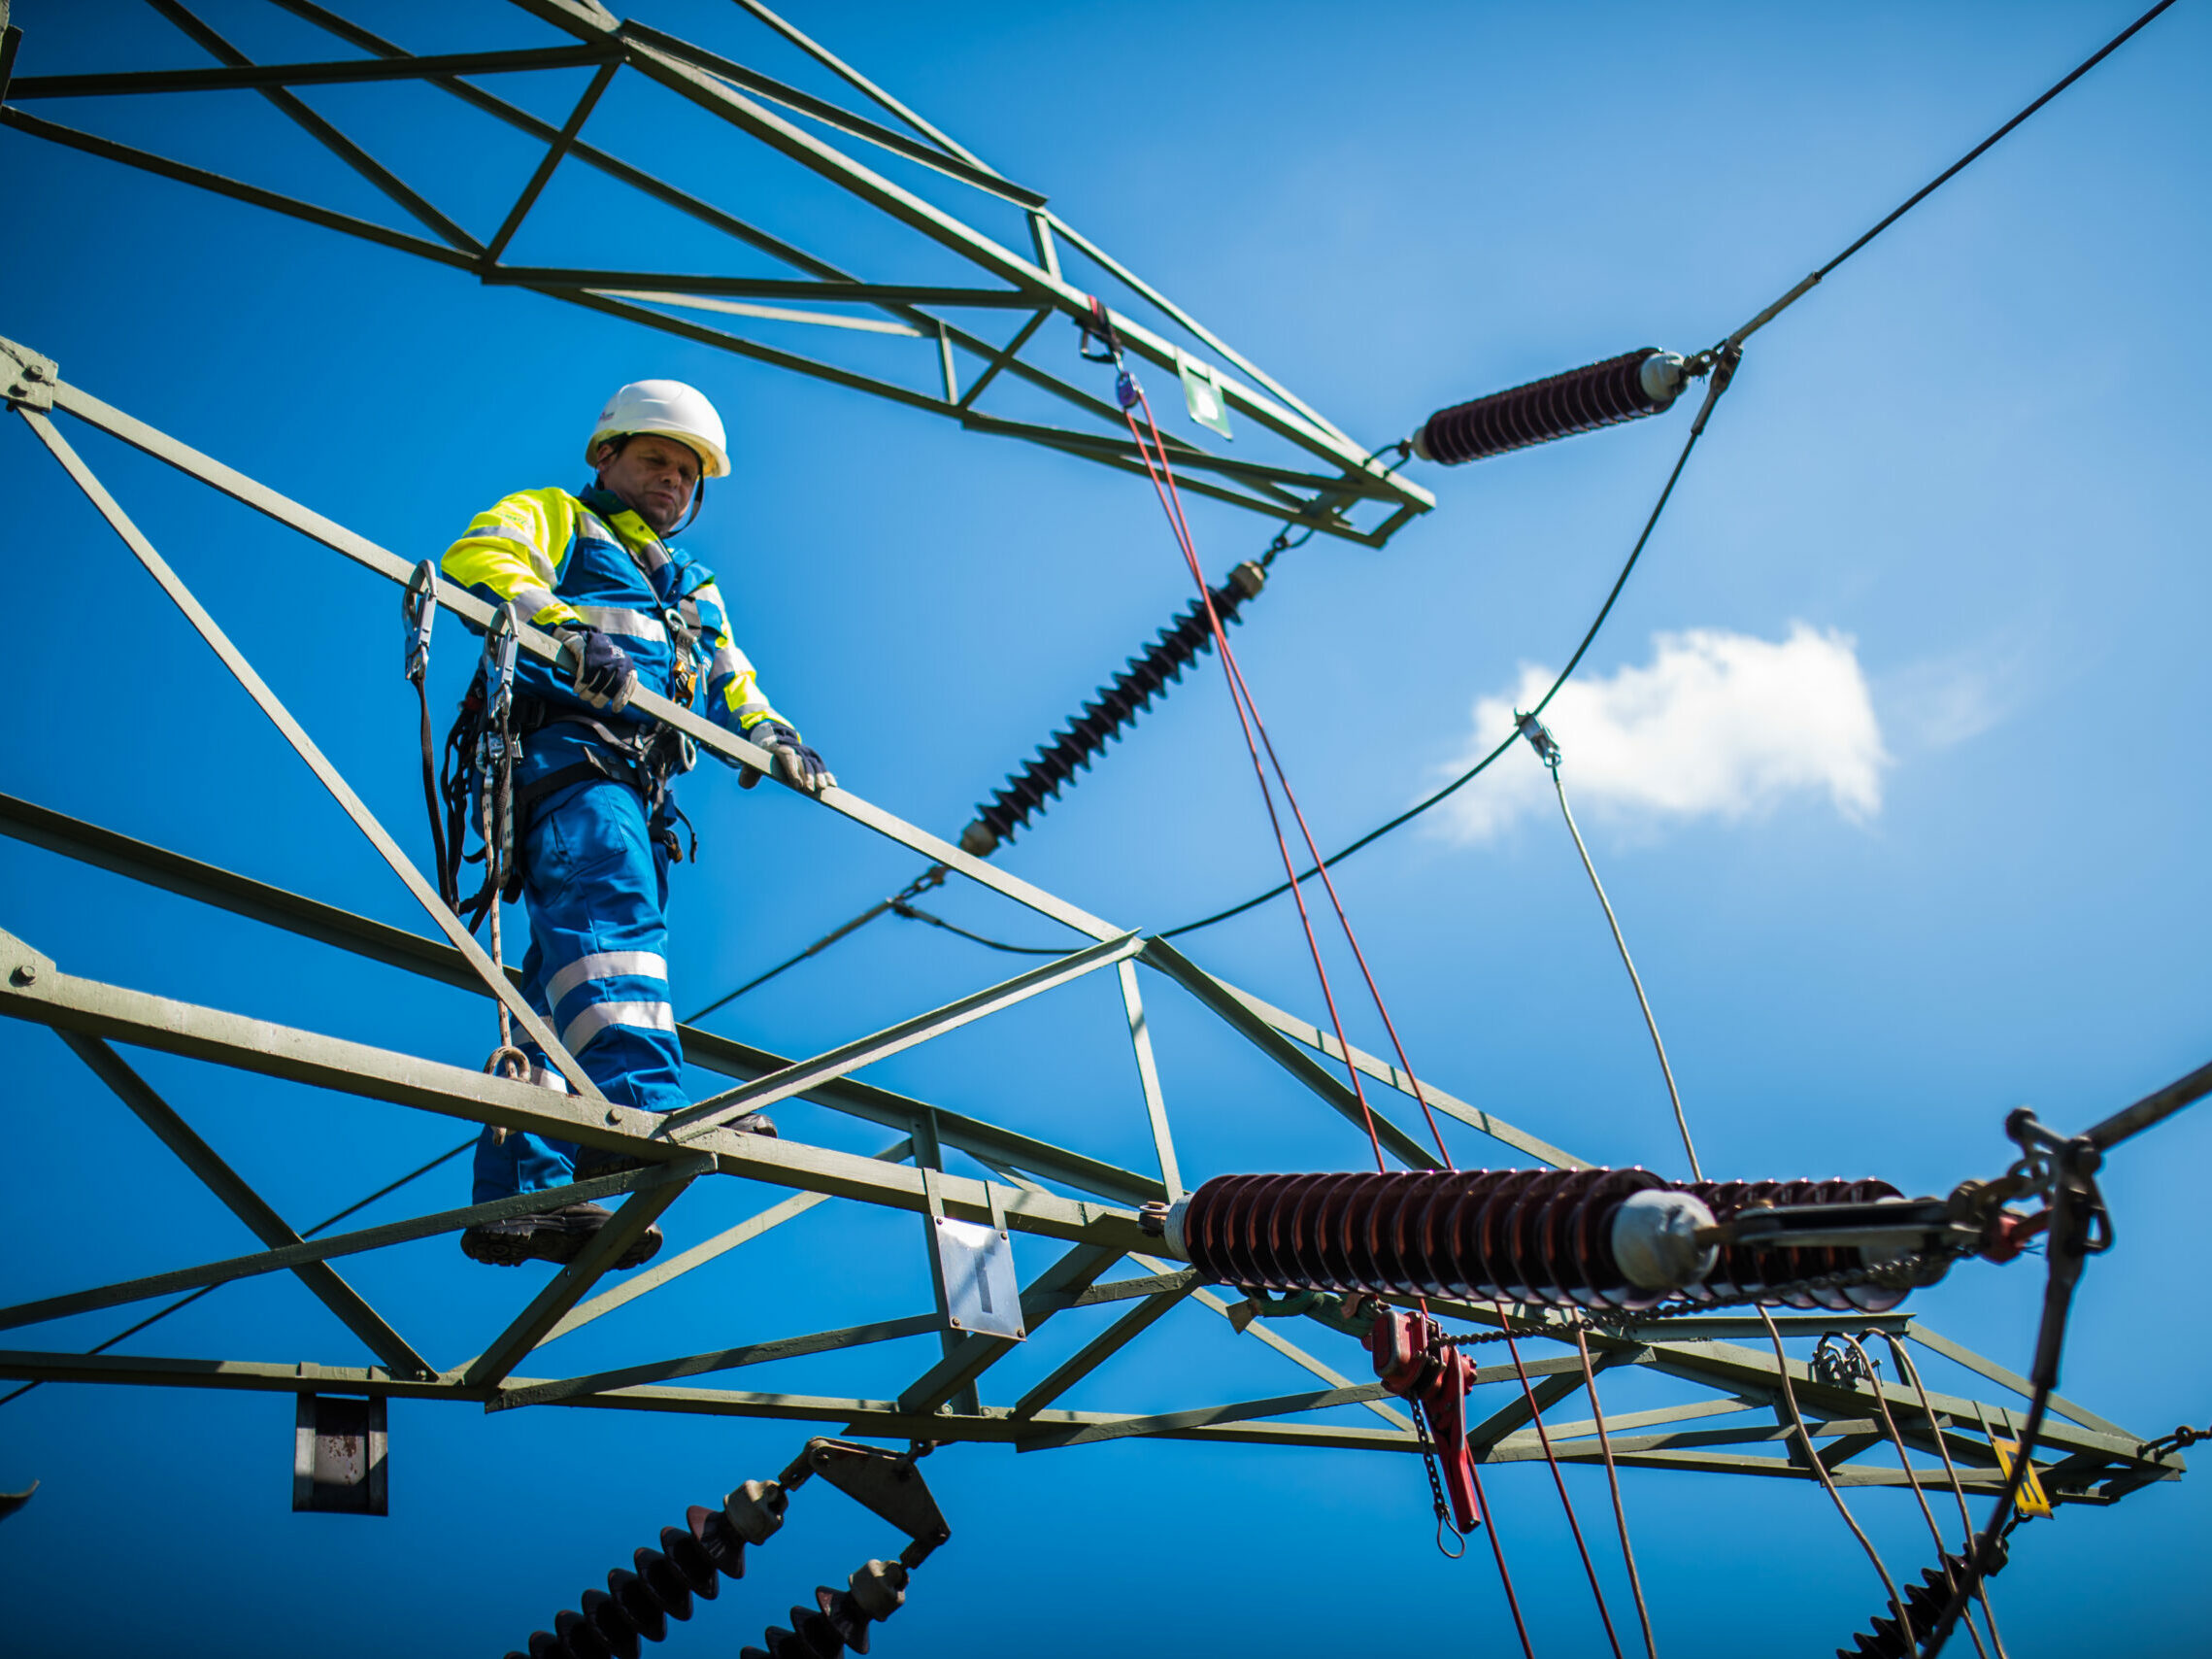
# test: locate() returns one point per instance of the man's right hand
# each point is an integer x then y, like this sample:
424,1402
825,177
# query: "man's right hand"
600,670
795,763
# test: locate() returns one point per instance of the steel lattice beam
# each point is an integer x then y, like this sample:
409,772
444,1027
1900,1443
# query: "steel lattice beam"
1332,478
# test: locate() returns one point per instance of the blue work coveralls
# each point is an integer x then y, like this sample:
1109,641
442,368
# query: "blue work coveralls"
595,851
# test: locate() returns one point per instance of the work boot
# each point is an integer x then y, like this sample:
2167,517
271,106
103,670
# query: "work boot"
591,1162
556,1235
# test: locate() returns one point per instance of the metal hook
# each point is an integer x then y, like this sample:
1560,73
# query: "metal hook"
418,610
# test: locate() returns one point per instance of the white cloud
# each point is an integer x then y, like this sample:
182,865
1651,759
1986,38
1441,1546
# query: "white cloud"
1719,725
1947,700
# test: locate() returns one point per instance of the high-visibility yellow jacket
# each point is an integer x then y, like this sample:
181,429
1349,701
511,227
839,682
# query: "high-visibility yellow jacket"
562,559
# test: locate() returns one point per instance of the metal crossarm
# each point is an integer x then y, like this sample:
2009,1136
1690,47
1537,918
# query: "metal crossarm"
1325,480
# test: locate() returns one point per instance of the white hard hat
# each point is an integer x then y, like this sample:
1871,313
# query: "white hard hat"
668,406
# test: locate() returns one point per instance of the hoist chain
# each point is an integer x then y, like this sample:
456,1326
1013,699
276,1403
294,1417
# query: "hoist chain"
1899,1273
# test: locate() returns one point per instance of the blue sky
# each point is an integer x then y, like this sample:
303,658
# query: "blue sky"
1971,463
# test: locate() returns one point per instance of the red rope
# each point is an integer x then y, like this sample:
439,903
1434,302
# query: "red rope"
1498,1549
1248,720
1170,504
1544,1439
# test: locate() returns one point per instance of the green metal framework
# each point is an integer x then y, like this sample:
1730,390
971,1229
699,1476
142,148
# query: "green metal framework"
939,348
1736,1424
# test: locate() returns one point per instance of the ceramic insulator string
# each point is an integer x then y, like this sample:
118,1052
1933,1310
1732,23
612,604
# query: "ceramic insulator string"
1117,704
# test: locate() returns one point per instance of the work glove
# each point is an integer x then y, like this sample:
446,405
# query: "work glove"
795,763
599,672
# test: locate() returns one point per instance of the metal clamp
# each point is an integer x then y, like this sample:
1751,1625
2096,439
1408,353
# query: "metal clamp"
1539,737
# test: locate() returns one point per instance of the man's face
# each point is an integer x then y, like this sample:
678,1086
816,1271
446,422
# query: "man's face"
654,476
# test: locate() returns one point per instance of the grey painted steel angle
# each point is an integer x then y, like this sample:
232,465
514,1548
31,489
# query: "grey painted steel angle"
380,177
33,989
1256,1019
706,79
683,1127
700,1255
335,72
242,1201
327,774
1148,1079
1270,1041
716,97
1201,1416
1101,1348
720,1359
972,1355
703,732
573,1282
378,941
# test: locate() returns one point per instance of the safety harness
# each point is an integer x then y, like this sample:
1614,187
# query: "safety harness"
475,791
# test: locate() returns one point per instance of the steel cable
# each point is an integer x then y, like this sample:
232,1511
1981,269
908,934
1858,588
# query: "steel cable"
1735,341
1642,1001
1169,502
1912,1479
323,1225
1613,1484
1827,1483
1241,696
1651,523
1906,1369
1544,1440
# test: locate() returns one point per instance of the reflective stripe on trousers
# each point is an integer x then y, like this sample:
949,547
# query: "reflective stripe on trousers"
595,887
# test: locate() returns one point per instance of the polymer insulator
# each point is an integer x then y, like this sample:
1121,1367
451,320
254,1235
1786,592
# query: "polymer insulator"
1636,383
839,1619
1594,1238
1924,1603
1118,703
691,1561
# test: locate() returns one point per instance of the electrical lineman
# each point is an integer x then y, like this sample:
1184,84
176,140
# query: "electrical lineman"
594,814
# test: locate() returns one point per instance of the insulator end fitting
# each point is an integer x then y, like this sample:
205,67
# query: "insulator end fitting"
979,840
755,1509
1165,1222
1654,1240
880,1588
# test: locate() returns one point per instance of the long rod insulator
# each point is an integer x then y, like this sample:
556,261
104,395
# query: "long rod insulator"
692,1560
1597,1238
1924,1603
1117,704
1636,383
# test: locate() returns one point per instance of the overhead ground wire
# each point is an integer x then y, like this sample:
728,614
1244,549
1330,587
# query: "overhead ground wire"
1735,341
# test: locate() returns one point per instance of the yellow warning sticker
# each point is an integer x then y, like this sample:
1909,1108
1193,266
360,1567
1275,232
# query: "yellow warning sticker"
2033,1500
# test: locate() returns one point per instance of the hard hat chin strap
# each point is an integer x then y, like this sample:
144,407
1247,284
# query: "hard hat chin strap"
699,500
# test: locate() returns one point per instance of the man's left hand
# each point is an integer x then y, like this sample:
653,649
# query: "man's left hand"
795,763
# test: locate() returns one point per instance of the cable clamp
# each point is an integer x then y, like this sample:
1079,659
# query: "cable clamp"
1539,738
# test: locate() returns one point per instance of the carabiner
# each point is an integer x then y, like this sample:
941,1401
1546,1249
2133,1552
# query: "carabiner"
418,610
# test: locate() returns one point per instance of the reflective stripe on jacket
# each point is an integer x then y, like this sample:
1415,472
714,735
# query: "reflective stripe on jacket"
561,558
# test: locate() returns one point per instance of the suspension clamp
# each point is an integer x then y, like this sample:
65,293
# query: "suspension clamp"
1539,738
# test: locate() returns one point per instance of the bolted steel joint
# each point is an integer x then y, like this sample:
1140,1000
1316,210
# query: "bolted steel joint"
30,378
